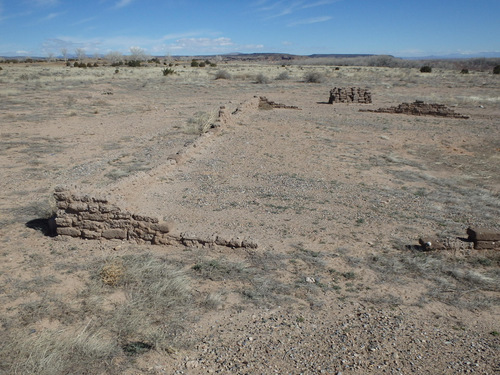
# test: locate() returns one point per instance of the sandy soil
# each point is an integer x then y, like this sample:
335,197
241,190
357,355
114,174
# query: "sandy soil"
335,198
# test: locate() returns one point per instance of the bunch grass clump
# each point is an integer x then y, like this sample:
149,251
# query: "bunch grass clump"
222,74
129,305
261,79
283,76
112,273
201,122
314,77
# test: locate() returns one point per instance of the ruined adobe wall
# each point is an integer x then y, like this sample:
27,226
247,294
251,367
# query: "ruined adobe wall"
95,217
88,217
265,103
419,108
349,95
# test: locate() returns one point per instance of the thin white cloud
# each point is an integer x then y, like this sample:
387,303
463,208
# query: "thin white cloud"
201,44
259,3
51,16
284,8
309,21
174,36
15,15
245,47
123,3
266,7
319,3
190,46
186,43
85,20
45,3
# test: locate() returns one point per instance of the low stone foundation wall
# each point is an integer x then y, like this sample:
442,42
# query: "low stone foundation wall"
419,108
484,238
93,218
349,95
479,239
265,103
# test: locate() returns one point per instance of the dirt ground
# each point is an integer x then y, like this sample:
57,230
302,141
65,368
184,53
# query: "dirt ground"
335,198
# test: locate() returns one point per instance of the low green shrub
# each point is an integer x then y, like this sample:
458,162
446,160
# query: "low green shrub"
426,69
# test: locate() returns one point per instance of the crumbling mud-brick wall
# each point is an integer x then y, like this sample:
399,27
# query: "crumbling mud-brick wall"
94,217
349,95
419,108
88,217
265,103
484,238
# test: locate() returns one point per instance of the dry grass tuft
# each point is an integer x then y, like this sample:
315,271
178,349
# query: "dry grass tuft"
222,74
130,305
51,352
314,77
111,274
201,122
452,279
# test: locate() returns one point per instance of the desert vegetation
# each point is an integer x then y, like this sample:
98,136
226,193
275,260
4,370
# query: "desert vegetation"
335,198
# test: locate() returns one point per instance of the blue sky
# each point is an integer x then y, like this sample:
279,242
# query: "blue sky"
409,28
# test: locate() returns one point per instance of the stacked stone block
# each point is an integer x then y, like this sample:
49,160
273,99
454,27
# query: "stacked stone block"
349,95
479,239
419,108
265,103
94,218
484,238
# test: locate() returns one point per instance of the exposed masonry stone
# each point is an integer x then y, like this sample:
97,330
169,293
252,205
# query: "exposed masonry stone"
93,218
443,243
419,108
479,239
349,95
484,238
265,103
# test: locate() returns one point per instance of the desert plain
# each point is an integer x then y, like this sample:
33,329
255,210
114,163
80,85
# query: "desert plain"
335,198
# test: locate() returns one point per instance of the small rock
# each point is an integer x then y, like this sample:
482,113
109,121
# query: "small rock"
310,280
192,364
